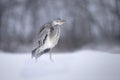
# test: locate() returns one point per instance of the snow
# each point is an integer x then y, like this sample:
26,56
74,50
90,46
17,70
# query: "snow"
79,65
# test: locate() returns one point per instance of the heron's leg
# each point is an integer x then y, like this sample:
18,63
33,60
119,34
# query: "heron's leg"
51,56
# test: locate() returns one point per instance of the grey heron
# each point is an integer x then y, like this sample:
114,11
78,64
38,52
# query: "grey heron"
48,37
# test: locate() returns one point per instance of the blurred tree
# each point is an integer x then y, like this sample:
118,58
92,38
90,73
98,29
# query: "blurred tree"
87,21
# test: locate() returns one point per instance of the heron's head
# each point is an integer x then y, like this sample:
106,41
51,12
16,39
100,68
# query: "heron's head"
58,22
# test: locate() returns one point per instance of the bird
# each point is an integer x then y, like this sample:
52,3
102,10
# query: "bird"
48,37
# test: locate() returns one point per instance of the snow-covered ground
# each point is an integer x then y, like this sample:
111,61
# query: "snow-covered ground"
82,65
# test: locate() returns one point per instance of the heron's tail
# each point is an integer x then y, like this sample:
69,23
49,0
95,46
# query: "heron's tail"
37,53
34,52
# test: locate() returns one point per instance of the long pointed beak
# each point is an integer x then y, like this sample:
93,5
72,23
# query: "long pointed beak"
63,21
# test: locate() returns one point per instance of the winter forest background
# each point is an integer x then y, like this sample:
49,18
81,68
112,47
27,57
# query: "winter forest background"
88,44
88,21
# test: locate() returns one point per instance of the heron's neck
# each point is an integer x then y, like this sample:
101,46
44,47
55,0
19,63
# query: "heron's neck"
56,27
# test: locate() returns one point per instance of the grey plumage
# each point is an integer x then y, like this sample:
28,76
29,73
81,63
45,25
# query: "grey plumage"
48,37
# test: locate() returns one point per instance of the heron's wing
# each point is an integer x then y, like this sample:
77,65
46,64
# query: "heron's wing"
43,35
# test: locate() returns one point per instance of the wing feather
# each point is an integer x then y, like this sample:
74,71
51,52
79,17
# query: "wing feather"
42,36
